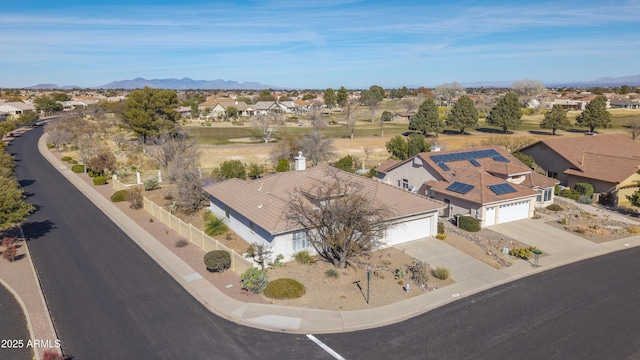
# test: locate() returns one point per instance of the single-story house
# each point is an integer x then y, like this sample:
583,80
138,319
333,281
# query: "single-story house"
15,108
487,183
624,104
610,163
257,209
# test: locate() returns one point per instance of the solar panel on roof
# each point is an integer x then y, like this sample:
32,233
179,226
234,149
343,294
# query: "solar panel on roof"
444,166
475,162
501,158
460,187
500,189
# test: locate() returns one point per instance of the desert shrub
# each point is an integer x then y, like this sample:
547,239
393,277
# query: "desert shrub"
303,257
554,207
99,180
584,199
400,273
633,229
120,195
77,168
283,165
528,111
522,253
278,261
284,289
217,260
332,273
564,221
469,223
260,253
569,193
441,273
50,146
419,272
73,162
11,249
213,225
440,227
254,280
134,197
580,230
181,243
66,158
584,189
151,184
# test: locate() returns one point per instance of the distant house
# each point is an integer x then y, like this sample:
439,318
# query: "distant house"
16,108
611,163
257,209
624,104
487,183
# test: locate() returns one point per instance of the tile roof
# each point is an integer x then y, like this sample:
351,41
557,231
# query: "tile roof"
264,201
386,165
609,168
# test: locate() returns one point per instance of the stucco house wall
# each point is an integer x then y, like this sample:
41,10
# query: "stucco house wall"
549,161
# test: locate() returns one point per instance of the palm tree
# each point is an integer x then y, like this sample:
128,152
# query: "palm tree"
213,225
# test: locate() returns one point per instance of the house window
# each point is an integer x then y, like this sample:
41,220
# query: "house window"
552,174
399,183
539,198
226,211
547,194
405,184
300,241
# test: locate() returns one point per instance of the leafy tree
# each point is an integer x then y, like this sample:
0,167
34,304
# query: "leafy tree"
507,113
232,111
342,221
232,169
372,98
47,104
60,96
427,119
255,170
104,161
330,98
416,144
13,209
556,119
283,165
265,95
525,159
151,111
309,96
634,198
595,114
346,163
386,116
463,114
342,95
245,99
27,118
398,148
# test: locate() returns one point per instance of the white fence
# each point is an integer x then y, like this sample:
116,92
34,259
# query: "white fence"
238,263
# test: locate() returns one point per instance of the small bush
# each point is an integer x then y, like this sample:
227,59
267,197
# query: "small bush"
120,195
217,260
78,169
254,280
569,193
584,199
400,273
50,146
441,273
151,184
469,223
66,158
181,243
99,180
303,257
522,253
440,227
554,207
134,197
419,272
278,261
73,162
332,273
564,221
284,289
633,229
584,189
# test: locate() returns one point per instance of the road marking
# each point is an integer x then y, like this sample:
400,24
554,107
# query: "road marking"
325,347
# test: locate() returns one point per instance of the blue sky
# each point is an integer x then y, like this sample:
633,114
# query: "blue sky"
317,44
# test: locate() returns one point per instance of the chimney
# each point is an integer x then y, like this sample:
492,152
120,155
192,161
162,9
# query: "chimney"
301,162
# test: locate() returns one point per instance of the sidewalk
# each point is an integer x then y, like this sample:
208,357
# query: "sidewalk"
471,278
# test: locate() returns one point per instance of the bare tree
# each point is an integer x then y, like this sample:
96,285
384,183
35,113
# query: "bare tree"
317,147
633,128
409,105
368,150
527,89
349,107
316,116
341,220
173,151
448,91
285,148
58,134
87,149
268,124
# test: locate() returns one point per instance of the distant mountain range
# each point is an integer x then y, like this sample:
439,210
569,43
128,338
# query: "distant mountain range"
187,83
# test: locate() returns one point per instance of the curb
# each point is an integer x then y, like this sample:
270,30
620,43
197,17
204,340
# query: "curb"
36,354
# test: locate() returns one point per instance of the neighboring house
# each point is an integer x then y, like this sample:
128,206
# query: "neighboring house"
72,104
624,104
257,209
610,163
266,107
3,116
16,108
487,183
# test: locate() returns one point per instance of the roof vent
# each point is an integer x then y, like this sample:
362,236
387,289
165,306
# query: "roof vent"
260,206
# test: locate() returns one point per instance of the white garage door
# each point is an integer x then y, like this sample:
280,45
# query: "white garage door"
513,212
490,216
409,231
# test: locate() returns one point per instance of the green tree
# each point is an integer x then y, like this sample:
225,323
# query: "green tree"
265,95
213,225
27,118
342,95
507,113
13,209
330,98
231,169
151,111
556,119
255,170
463,114
595,114
47,104
372,98
386,116
398,148
283,165
416,144
427,119
232,111
346,163
525,159
60,96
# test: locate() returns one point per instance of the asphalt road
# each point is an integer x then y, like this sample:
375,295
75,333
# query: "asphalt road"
110,300
14,334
